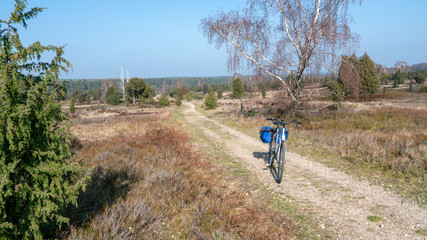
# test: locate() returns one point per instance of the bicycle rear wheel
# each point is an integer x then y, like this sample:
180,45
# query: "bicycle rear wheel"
281,161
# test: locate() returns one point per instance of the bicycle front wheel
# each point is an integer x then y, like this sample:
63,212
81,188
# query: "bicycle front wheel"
281,161
271,152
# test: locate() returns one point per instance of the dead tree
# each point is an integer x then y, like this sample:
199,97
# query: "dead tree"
122,82
284,37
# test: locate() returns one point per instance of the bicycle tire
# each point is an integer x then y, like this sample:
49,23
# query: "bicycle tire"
271,152
281,161
272,148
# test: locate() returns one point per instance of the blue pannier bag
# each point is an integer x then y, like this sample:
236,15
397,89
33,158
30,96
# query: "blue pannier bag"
286,134
265,134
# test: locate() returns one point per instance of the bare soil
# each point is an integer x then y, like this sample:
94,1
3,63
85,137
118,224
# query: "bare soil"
341,203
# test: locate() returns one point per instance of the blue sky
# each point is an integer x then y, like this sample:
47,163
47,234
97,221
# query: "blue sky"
162,38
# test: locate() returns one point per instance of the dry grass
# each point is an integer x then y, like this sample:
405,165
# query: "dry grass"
385,144
148,183
378,135
392,137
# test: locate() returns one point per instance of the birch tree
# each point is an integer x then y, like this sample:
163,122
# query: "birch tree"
122,82
402,66
283,38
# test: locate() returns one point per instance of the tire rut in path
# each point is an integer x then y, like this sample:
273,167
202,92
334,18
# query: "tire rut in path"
340,201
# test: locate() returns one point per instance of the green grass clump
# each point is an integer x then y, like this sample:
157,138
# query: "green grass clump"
375,219
422,232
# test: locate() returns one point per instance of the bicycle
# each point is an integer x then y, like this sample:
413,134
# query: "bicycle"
277,146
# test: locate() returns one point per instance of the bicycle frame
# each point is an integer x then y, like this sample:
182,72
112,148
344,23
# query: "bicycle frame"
279,136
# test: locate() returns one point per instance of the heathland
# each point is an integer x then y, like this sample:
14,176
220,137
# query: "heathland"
165,172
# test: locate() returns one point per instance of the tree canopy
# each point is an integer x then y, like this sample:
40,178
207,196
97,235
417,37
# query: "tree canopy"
135,88
283,38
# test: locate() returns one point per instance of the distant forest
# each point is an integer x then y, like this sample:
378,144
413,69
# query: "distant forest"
160,84
82,85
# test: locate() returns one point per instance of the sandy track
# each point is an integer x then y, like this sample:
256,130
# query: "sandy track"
341,202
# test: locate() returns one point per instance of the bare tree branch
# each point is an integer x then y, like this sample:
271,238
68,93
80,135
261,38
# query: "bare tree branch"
284,37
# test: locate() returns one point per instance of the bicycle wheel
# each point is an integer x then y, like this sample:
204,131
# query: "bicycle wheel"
272,150
281,161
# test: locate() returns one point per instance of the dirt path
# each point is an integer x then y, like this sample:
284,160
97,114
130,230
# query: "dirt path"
341,202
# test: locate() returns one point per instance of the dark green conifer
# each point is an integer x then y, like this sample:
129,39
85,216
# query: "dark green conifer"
163,100
210,101
73,105
36,180
369,74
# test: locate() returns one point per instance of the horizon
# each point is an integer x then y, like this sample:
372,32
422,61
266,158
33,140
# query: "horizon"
153,41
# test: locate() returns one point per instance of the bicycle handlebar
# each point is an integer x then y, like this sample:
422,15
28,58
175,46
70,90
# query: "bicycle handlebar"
282,123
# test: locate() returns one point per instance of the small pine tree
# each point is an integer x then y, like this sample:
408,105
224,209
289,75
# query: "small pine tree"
113,96
219,93
205,88
396,83
164,101
337,93
263,91
238,89
419,77
88,98
210,101
72,105
410,87
399,77
37,181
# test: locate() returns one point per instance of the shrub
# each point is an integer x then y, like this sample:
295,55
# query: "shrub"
134,89
149,101
96,94
178,102
337,93
82,97
182,92
399,77
72,105
205,88
395,83
327,82
113,96
252,112
419,77
149,92
193,95
219,93
210,101
238,89
88,98
423,89
263,91
164,101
